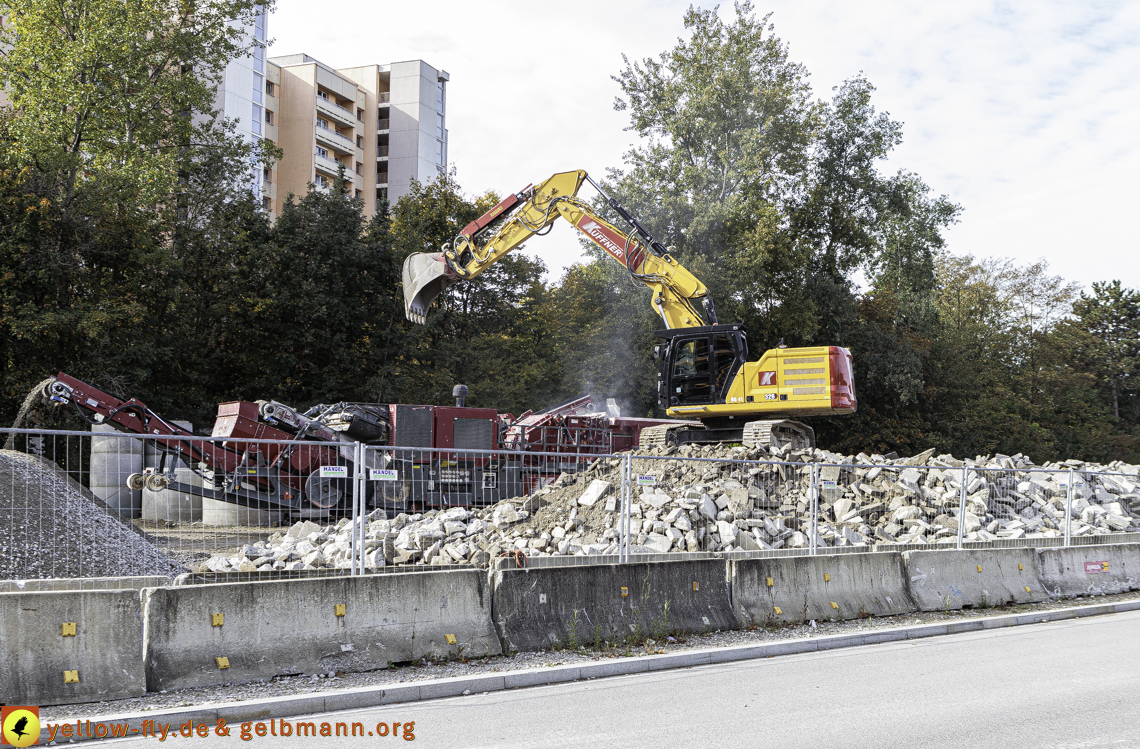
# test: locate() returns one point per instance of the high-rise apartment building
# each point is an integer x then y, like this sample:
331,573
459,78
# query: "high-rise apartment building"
384,124
241,98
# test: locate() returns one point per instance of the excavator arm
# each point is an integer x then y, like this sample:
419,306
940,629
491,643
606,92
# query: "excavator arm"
679,297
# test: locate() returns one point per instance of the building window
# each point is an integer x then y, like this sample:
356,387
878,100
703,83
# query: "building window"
322,94
360,114
259,27
267,173
255,125
439,152
259,59
267,204
360,141
359,168
322,152
439,96
439,126
321,181
269,88
321,122
258,84
358,194
269,117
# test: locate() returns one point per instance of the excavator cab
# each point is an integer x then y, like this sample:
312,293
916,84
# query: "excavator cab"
695,366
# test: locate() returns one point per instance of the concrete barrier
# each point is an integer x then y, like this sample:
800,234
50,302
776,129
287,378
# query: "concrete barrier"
960,578
840,586
62,647
1090,570
538,608
312,626
84,583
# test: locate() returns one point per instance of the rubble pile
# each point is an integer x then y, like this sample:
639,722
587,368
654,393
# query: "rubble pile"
724,504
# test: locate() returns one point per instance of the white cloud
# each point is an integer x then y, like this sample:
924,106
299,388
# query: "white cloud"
1023,112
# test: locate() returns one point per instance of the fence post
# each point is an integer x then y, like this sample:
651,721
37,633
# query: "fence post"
962,505
363,502
813,511
1069,511
627,499
356,550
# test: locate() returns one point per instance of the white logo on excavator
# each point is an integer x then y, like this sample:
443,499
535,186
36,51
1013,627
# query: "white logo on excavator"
595,231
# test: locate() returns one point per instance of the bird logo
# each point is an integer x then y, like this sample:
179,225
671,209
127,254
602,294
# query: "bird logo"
21,726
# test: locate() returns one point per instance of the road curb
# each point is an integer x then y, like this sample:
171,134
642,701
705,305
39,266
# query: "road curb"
363,697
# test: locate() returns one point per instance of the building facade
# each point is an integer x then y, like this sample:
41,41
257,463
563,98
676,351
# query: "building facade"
385,125
241,98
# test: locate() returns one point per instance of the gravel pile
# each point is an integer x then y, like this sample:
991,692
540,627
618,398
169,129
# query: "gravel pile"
53,527
722,504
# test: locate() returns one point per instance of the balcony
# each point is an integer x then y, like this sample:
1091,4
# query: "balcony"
382,179
333,139
384,97
327,165
335,111
383,126
382,152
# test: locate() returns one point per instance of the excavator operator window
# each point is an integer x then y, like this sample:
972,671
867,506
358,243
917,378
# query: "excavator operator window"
692,358
724,360
691,381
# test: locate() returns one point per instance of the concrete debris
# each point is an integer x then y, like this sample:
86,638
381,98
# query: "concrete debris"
704,498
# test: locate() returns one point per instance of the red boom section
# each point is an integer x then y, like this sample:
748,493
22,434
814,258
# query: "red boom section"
236,422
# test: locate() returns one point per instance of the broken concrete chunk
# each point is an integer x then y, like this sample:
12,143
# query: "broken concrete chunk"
595,491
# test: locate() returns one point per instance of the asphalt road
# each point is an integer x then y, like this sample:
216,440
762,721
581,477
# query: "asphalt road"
1064,684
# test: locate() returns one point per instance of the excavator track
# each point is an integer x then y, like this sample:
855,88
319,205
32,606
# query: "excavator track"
774,433
659,436
778,433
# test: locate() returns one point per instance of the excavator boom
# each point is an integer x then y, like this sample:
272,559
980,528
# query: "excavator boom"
679,297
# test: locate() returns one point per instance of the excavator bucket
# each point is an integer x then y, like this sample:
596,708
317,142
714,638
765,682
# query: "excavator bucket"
425,277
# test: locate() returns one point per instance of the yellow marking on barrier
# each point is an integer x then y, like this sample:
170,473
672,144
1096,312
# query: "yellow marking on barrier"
338,609
696,585
777,610
450,639
217,620
827,577
1027,590
1019,566
979,568
770,582
624,592
835,605
71,677
68,629
222,661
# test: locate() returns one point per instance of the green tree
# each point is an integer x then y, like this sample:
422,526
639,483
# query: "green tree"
121,92
313,313
1111,318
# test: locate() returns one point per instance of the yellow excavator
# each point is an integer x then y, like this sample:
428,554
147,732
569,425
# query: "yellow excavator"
703,372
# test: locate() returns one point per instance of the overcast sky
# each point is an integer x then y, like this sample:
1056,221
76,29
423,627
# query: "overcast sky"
1025,113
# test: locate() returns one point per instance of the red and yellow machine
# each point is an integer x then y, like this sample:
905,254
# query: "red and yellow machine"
703,372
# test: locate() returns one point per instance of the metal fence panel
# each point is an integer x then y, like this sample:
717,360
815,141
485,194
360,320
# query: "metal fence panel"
103,504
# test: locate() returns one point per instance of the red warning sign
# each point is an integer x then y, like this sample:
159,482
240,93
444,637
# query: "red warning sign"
1093,568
